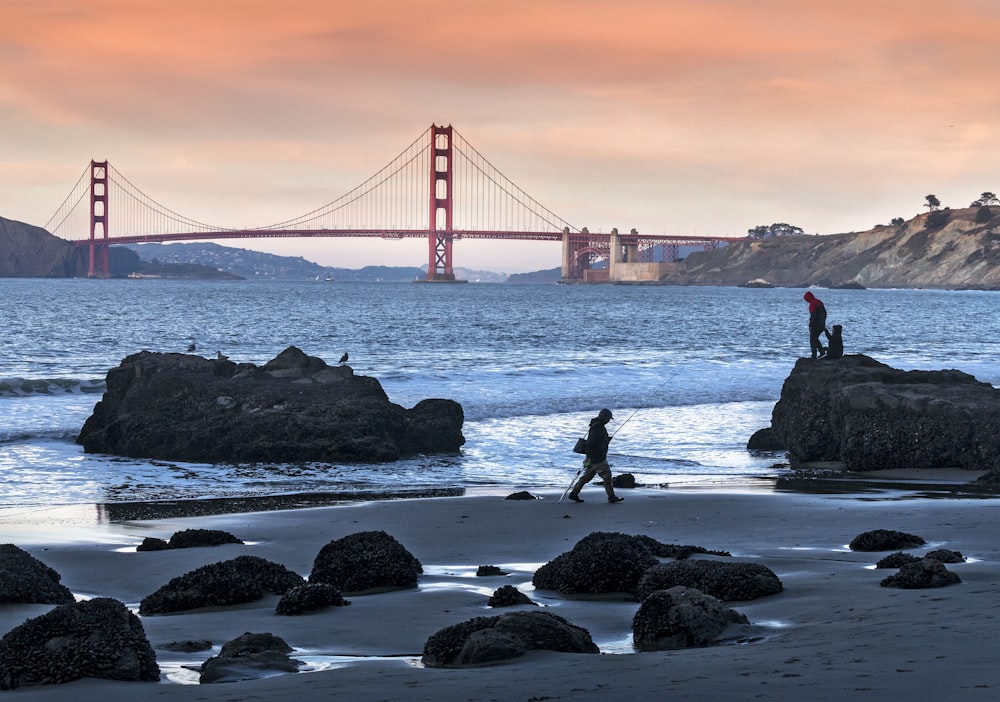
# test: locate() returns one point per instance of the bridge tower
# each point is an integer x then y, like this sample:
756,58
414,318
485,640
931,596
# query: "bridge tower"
439,233
98,267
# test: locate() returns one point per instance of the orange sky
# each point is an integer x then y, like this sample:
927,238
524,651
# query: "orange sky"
669,116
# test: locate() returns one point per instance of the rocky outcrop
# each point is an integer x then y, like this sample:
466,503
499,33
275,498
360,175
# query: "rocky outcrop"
730,582
32,252
920,574
869,416
295,408
885,540
189,538
600,563
98,638
247,657
364,562
508,596
944,249
24,578
680,617
242,579
486,640
310,597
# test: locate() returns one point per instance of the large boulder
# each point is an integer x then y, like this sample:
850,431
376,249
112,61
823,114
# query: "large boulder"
680,617
366,561
24,578
870,416
241,579
731,582
98,638
183,407
485,640
601,563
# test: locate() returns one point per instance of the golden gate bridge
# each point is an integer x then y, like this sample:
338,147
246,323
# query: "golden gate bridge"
439,188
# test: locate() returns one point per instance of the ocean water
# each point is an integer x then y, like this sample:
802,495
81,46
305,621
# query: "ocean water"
690,374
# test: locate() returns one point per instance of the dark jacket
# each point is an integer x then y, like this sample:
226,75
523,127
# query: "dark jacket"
597,441
817,312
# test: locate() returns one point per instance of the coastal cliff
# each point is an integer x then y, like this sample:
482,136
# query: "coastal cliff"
954,249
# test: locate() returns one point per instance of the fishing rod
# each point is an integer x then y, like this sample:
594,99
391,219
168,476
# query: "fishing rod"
646,401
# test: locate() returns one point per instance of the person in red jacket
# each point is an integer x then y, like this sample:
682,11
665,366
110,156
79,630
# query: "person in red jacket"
817,324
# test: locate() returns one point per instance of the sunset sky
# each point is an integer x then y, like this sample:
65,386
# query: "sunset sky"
686,117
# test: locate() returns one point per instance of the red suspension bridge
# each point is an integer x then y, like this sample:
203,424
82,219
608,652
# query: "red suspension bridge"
439,188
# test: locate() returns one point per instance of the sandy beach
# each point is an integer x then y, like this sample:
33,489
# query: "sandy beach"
833,633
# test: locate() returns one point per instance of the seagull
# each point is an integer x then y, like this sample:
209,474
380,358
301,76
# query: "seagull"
191,347
343,359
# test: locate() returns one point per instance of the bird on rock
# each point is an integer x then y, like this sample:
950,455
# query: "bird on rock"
343,359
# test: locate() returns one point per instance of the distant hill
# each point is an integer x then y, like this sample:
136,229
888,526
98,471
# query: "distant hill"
551,275
952,249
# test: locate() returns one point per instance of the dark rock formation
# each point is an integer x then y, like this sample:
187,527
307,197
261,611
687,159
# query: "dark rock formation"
623,480
884,540
680,618
24,578
870,416
242,579
487,570
600,563
366,561
764,440
896,560
247,657
99,638
522,495
309,598
924,573
294,408
730,582
189,538
946,555
485,640
508,596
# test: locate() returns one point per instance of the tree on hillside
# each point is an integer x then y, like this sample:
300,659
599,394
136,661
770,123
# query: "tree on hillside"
777,229
985,200
897,221
932,203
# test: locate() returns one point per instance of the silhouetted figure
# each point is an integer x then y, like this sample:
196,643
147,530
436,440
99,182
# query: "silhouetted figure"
191,347
220,357
343,359
817,324
836,342
596,461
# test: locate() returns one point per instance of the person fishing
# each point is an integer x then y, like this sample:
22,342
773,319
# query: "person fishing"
596,462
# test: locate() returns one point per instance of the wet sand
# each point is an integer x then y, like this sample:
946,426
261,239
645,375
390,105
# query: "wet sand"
833,633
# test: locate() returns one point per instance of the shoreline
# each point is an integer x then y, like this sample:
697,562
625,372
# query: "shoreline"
833,631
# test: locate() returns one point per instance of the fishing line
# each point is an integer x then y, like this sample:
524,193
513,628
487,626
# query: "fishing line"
646,401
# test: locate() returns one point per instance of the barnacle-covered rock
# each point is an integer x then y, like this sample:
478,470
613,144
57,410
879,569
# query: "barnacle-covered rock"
730,582
97,638
189,538
680,617
924,573
24,578
508,596
309,598
885,540
366,561
600,563
485,640
241,579
896,560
